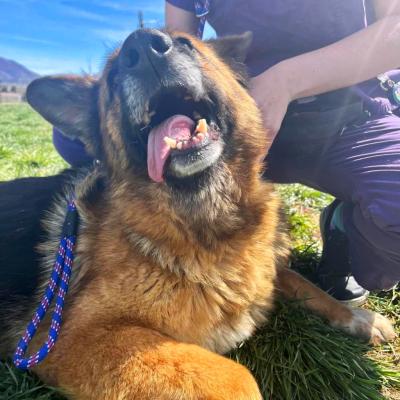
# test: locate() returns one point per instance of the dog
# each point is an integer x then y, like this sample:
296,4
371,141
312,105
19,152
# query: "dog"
181,248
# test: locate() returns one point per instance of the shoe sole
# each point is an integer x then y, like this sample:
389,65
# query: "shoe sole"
359,301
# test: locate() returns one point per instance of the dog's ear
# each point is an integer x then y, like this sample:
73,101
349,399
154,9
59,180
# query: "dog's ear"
233,47
67,102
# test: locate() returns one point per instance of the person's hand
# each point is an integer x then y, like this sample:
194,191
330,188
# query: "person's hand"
272,95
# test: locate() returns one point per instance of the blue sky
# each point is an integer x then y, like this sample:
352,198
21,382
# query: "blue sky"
69,36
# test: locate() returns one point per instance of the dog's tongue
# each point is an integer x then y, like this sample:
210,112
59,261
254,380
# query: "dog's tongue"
177,127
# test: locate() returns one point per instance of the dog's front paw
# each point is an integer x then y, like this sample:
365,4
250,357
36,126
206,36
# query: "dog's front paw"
370,326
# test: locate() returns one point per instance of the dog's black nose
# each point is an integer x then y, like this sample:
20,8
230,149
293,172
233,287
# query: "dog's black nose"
143,46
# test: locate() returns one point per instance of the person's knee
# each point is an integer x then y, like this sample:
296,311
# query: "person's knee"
382,215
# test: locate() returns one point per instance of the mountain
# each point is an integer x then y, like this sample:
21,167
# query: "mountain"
13,72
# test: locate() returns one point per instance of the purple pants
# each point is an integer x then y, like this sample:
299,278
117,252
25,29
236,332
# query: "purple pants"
359,165
362,168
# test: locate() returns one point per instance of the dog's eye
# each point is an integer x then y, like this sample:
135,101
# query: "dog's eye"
185,42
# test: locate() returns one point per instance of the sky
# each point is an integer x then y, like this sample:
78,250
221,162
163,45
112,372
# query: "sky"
70,36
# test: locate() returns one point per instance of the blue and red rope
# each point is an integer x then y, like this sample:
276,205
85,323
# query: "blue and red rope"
59,281
202,8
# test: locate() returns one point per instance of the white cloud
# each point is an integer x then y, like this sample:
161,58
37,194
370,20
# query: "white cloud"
76,12
27,39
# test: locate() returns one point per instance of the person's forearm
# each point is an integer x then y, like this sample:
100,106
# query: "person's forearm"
352,60
177,19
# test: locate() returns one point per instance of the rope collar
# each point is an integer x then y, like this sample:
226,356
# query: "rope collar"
59,280
202,8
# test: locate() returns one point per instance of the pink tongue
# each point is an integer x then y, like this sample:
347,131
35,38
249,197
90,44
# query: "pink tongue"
178,127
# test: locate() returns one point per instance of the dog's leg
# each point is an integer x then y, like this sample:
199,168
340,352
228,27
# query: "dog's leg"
132,363
362,323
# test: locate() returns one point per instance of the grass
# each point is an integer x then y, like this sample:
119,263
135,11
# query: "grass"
296,356
25,144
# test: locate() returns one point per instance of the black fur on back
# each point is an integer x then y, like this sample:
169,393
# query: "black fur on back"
23,204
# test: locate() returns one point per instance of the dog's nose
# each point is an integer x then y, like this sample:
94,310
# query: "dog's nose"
143,46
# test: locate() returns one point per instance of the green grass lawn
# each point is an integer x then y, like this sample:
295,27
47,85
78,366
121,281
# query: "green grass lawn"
296,356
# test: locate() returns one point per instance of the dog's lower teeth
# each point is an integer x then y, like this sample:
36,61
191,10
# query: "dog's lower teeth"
170,142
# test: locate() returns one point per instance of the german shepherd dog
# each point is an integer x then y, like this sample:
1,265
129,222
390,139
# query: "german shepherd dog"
181,246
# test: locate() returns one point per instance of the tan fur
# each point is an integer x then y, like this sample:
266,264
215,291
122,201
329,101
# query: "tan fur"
155,293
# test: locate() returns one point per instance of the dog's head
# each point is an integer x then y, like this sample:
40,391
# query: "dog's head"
140,117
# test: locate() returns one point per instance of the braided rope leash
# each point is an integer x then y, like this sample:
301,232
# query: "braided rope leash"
59,280
202,8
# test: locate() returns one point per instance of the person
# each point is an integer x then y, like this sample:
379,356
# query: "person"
332,124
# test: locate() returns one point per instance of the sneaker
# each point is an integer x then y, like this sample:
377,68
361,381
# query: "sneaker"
334,270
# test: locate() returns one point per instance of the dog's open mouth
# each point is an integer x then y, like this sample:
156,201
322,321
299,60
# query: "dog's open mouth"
185,139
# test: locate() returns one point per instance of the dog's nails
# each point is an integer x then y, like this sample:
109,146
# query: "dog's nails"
179,145
170,142
201,126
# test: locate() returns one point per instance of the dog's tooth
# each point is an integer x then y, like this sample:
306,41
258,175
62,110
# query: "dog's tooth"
196,115
179,145
185,144
202,126
170,142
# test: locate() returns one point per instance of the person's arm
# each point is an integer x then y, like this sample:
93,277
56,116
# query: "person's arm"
352,60
385,8
178,19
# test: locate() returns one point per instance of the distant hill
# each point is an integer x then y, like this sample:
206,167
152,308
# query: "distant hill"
13,72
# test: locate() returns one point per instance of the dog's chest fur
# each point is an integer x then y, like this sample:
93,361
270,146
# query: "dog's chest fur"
211,297
216,306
